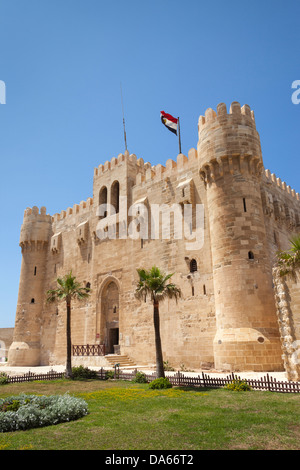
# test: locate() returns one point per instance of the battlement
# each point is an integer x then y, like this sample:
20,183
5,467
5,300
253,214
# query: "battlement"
144,170
235,111
36,227
36,213
77,209
159,172
117,161
287,190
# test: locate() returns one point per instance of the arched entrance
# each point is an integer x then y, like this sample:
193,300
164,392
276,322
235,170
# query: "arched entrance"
109,321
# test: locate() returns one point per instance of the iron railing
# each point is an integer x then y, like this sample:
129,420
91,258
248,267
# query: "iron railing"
89,350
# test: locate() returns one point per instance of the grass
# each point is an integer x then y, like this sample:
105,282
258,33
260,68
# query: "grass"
127,416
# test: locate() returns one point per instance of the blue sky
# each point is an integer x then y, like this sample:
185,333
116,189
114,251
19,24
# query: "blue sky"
63,61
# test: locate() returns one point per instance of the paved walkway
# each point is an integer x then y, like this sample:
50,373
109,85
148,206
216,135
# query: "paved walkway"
279,376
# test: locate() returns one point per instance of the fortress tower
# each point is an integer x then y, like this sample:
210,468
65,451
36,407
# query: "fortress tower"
34,239
230,164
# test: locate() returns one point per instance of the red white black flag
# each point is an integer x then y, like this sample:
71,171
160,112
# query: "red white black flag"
169,121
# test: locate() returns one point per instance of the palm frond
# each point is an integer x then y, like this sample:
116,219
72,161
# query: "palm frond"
68,288
153,283
289,261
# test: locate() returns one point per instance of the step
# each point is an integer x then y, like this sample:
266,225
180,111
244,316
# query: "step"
119,359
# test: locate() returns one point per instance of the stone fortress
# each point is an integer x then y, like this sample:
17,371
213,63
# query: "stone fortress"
227,318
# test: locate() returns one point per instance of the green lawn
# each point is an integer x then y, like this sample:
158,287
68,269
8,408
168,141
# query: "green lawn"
127,416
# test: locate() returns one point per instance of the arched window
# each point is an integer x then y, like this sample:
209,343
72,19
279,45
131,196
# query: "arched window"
115,195
193,266
103,200
250,255
32,301
88,285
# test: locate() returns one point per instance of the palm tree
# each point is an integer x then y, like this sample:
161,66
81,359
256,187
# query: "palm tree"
154,284
289,261
67,290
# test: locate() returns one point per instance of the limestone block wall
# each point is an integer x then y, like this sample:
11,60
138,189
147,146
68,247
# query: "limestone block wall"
281,207
70,249
187,327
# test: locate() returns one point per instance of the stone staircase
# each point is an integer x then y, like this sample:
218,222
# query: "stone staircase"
121,359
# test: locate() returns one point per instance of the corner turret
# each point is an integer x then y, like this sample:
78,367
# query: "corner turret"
34,240
230,163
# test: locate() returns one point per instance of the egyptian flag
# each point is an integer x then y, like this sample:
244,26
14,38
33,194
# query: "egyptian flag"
169,121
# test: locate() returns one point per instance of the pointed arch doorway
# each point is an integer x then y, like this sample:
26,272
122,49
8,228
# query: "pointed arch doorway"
109,318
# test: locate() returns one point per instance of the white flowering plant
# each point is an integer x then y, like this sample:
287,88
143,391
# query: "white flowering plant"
31,411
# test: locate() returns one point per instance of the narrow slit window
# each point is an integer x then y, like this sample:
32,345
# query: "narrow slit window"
244,204
204,289
193,291
35,270
193,266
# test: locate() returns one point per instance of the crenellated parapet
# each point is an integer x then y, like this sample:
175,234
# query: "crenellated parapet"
114,162
36,228
280,202
77,210
228,143
279,184
237,114
145,172
154,173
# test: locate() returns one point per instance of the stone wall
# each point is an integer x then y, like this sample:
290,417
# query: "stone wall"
287,295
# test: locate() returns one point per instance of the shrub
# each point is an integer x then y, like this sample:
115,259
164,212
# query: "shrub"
109,374
140,378
184,369
168,366
82,373
3,378
160,383
238,386
30,411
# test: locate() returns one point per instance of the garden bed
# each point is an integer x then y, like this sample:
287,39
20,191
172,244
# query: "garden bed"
30,411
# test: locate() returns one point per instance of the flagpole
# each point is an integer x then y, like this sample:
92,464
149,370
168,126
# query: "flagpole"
179,139
123,118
